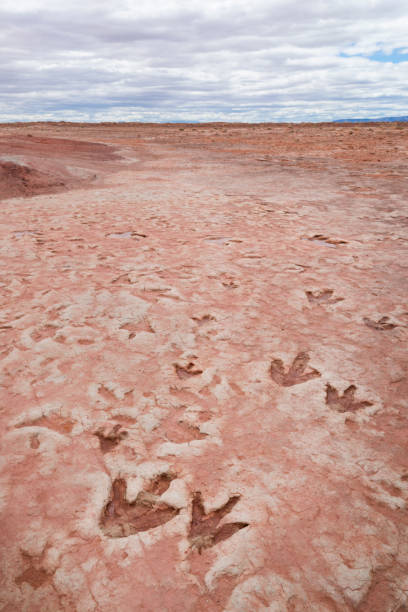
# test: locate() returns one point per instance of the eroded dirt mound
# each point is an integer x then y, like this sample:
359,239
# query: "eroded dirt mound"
18,180
58,147
32,165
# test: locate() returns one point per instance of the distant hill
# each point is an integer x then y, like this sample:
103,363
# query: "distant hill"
379,119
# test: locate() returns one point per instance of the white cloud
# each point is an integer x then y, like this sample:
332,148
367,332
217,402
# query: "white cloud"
194,60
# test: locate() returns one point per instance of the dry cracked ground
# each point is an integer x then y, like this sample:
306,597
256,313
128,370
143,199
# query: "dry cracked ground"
204,368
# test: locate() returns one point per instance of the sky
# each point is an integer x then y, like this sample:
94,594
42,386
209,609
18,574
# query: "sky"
202,60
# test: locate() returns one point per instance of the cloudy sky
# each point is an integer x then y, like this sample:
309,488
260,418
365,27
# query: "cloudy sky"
203,60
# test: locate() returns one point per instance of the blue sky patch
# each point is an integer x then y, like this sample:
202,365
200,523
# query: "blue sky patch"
395,57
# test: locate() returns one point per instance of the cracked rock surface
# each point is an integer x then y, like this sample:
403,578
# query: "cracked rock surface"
203,344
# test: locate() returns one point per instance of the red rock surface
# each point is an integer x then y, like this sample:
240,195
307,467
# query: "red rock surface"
204,368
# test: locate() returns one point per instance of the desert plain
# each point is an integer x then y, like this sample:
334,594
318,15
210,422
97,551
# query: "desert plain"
204,398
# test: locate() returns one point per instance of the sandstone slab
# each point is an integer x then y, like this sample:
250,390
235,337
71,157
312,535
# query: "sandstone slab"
203,343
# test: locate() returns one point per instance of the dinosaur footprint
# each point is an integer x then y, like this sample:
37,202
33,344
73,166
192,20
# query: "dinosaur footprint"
110,437
204,530
325,296
382,324
320,238
34,574
345,402
186,371
121,518
296,373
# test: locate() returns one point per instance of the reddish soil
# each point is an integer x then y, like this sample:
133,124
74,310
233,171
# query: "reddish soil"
203,334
